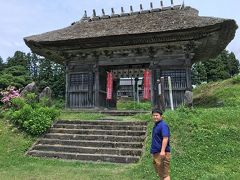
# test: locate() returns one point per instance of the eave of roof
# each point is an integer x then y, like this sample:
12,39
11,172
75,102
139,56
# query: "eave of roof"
163,21
151,27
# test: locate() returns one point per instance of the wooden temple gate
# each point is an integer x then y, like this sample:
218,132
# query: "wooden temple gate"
165,40
86,81
82,93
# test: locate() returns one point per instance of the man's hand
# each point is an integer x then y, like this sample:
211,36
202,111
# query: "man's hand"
162,154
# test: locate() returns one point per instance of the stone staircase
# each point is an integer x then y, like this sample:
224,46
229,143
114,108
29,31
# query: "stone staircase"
110,112
100,140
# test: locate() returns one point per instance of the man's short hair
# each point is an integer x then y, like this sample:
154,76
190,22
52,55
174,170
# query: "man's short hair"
157,111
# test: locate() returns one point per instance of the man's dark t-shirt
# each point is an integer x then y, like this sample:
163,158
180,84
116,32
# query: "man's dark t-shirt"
159,131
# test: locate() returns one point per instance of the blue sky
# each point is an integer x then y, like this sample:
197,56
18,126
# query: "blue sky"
21,18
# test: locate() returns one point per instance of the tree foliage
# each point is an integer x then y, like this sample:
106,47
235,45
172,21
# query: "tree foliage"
14,76
52,75
19,58
1,64
21,69
224,66
199,73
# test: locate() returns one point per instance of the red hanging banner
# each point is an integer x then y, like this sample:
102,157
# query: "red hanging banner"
109,85
147,84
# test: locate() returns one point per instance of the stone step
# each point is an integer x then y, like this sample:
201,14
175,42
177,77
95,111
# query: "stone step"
91,143
101,140
94,137
89,150
123,113
97,132
103,127
103,122
85,157
109,112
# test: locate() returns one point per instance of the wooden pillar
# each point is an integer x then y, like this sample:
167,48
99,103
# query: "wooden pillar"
67,85
188,65
161,97
96,86
154,89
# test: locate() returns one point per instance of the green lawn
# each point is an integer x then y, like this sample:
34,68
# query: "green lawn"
205,146
15,165
68,115
218,94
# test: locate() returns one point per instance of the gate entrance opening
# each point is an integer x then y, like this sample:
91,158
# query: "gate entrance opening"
127,84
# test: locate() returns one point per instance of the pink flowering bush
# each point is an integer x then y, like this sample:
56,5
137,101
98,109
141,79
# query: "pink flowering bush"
10,93
31,116
26,112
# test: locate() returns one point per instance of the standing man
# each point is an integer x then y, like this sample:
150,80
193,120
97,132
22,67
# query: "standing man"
160,148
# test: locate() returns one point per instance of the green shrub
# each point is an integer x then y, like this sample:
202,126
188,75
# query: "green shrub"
18,103
31,116
49,111
38,123
34,121
19,116
236,79
31,98
45,102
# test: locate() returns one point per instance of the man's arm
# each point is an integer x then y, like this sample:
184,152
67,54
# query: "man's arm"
164,145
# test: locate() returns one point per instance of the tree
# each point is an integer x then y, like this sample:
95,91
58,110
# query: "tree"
58,85
15,76
15,71
33,64
19,58
52,75
233,64
1,64
199,73
224,66
23,68
217,68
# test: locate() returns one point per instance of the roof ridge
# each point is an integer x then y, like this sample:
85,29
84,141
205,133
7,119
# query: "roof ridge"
95,17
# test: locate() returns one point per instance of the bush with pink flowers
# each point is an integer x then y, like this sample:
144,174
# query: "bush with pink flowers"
26,112
7,95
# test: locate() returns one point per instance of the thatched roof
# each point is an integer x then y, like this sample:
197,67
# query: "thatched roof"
103,30
169,20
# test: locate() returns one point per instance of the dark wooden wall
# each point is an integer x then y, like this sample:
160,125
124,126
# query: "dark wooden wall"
87,74
80,92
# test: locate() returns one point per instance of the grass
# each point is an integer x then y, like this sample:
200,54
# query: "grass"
132,105
218,94
15,165
205,146
67,115
206,140
203,140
